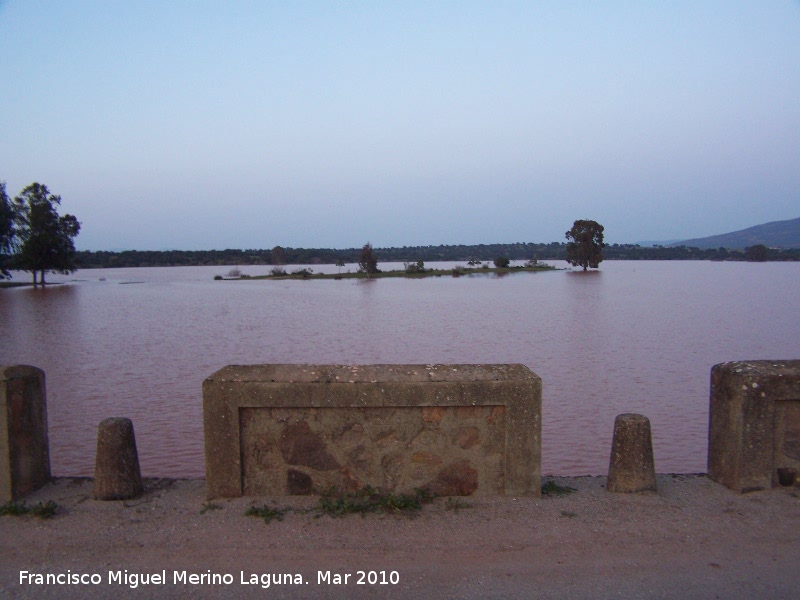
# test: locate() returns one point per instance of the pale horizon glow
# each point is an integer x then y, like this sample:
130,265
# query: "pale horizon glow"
207,125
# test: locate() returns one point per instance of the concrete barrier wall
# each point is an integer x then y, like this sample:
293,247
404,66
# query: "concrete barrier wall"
24,447
297,429
754,430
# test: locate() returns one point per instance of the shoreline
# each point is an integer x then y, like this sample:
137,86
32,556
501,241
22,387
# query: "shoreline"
691,538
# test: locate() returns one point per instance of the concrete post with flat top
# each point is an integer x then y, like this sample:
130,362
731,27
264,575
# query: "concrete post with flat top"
116,473
632,468
24,445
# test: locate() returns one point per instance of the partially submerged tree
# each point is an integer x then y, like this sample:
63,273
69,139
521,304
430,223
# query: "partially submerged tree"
585,248
45,237
367,261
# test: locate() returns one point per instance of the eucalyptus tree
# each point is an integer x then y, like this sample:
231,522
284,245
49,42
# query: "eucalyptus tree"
45,237
585,248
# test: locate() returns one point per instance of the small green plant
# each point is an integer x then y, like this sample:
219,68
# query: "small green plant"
13,509
44,510
209,506
370,500
567,513
551,488
41,510
266,512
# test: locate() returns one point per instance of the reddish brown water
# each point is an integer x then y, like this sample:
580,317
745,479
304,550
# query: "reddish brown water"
633,337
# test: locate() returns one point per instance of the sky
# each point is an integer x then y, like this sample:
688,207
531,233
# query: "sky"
249,124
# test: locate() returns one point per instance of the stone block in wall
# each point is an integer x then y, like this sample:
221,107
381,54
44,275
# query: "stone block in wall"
274,430
24,447
754,425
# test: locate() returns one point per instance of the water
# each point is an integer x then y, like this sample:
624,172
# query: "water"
633,337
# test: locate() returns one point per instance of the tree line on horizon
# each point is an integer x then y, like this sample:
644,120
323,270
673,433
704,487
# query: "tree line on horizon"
35,238
278,255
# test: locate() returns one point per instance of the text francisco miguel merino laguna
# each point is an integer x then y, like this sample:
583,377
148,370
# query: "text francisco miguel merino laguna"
265,580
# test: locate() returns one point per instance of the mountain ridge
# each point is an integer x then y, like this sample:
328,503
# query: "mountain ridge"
775,234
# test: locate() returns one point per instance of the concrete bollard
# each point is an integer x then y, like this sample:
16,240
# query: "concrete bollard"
24,447
116,472
632,468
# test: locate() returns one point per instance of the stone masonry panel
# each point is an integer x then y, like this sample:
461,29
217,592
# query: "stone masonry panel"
455,429
395,449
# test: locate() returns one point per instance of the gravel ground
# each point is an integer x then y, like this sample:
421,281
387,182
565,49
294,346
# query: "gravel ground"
691,539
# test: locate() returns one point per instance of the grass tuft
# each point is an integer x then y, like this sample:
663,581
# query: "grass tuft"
13,509
370,500
209,506
267,513
44,510
551,488
41,510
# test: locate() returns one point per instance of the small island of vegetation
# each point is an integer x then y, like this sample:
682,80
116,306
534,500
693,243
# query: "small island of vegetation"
501,266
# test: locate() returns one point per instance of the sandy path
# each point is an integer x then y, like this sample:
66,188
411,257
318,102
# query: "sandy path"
693,539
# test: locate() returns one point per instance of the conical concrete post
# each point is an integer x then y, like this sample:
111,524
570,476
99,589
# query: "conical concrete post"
116,473
632,468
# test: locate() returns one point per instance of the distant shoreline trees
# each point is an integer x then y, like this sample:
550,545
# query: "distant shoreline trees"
86,259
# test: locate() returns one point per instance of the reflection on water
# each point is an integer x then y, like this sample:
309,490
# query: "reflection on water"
633,337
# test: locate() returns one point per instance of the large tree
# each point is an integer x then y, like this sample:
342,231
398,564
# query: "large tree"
8,231
585,248
45,237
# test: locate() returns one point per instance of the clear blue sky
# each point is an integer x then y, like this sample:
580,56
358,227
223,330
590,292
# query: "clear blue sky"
246,124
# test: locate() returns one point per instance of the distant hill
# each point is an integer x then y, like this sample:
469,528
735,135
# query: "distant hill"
784,234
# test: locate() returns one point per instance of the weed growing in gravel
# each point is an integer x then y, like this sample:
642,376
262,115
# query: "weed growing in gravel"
13,509
267,513
334,503
371,500
210,506
42,510
551,488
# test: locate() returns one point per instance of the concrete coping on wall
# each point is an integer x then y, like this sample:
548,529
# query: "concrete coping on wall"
456,429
